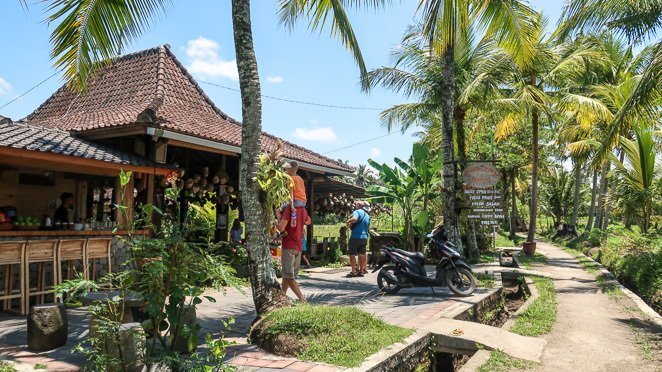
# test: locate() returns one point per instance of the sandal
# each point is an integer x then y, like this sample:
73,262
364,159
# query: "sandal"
351,275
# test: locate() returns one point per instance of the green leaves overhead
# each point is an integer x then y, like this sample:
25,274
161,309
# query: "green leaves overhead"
90,33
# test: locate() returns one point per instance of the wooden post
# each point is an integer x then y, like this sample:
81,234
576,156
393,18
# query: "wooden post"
311,198
127,200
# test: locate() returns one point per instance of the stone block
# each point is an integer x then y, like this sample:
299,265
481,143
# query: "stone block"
47,327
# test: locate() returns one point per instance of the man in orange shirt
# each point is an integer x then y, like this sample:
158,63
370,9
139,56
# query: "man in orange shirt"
298,189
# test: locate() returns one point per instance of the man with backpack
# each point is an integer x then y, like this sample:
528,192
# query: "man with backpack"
359,224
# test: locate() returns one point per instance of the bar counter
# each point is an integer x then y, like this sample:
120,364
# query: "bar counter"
67,233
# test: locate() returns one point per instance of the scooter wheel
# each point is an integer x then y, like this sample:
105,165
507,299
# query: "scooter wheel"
461,281
385,280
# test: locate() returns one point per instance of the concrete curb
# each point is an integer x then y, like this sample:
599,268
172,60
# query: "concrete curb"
481,356
641,304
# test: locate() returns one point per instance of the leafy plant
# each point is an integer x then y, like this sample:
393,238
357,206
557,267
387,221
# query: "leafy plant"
273,179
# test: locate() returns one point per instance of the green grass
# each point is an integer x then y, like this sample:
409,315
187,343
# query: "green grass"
335,265
6,366
644,342
589,265
536,259
323,231
500,361
40,366
539,318
609,287
484,280
504,241
339,335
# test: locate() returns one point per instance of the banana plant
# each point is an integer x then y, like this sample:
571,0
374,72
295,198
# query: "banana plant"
409,185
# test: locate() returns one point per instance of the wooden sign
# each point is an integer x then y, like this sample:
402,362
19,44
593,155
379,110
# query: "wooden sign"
485,200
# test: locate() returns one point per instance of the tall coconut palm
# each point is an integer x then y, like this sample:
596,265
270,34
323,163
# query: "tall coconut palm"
638,21
90,33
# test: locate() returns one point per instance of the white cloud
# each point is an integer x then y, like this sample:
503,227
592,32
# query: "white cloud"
375,152
5,87
275,79
207,62
324,134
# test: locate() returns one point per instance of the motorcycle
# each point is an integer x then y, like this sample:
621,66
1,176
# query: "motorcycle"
407,269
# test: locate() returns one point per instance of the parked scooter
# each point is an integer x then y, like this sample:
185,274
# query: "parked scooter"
407,269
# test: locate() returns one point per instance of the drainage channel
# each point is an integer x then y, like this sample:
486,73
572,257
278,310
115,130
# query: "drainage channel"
447,354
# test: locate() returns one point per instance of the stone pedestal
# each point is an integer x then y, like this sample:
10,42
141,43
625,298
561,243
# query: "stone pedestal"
47,327
132,346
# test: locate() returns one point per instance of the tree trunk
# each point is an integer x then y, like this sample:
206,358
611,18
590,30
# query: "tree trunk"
594,191
533,209
602,196
459,115
612,191
575,206
266,291
513,206
448,149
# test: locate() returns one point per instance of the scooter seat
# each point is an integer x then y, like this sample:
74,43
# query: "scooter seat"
418,256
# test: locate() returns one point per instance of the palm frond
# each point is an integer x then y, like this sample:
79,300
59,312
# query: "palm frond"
91,33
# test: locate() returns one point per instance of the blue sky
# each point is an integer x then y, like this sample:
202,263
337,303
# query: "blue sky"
294,64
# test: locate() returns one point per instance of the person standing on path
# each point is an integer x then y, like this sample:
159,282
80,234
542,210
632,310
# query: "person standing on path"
359,223
292,246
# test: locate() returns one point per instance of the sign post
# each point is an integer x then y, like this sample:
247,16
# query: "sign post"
485,200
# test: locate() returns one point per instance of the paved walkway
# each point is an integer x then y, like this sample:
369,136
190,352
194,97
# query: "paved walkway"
592,332
409,308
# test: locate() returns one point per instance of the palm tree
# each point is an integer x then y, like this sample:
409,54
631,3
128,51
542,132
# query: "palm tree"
445,24
636,187
638,21
363,176
89,34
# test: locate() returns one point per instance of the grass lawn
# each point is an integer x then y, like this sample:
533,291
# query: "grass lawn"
339,335
539,318
502,362
529,261
484,280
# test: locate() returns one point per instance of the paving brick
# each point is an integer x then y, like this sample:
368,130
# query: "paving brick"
301,366
279,363
257,362
322,368
239,361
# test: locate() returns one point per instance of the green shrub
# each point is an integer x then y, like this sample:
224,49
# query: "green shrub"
333,253
636,261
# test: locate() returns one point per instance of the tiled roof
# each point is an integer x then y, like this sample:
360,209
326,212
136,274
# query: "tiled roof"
154,82
37,138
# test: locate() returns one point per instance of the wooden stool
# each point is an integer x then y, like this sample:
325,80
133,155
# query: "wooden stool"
13,253
69,250
40,252
98,248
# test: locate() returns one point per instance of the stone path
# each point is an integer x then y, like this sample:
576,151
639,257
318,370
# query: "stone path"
592,332
409,308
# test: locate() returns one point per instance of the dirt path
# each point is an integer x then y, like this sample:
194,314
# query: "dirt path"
592,332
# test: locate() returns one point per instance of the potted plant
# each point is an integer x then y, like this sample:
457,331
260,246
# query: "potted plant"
529,248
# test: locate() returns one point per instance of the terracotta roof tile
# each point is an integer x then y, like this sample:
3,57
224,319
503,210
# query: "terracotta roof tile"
38,138
154,81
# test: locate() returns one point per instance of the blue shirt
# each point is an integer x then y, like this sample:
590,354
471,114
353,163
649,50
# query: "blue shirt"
361,225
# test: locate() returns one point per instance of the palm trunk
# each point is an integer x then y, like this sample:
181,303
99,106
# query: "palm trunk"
266,291
533,210
459,115
513,206
575,206
602,196
612,191
594,191
448,149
